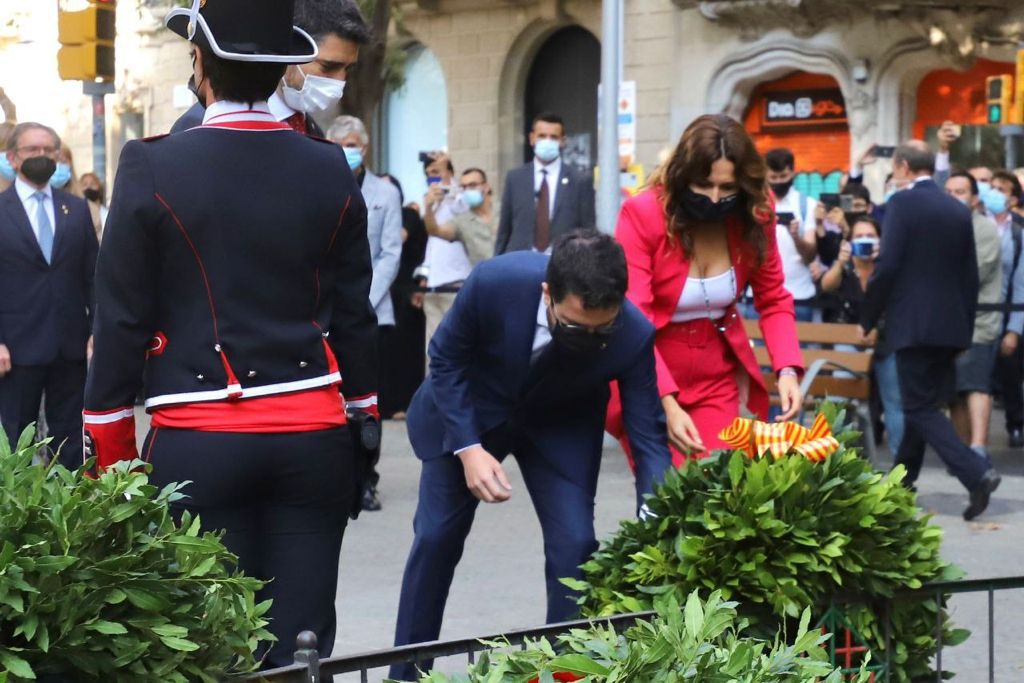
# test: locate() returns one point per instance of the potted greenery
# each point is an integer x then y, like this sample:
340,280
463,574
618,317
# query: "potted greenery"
783,533
97,582
698,642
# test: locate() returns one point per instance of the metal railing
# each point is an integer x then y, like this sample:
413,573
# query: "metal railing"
308,668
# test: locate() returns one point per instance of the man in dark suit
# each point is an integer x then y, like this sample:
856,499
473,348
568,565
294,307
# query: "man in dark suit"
544,198
521,365
47,259
926,284
307,89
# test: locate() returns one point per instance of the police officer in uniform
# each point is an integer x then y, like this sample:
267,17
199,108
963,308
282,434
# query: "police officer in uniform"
234,277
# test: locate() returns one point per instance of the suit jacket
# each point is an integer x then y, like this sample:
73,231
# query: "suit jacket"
481,377
657,273
214,288
926,280
384,232
574,207
194,117
46,308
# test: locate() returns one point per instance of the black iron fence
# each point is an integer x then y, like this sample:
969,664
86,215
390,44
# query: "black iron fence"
308,668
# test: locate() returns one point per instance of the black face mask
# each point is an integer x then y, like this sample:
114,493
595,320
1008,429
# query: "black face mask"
39,169
781,189
579,340
701,209
92,194
193,88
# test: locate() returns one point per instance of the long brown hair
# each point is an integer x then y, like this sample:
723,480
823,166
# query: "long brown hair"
709,138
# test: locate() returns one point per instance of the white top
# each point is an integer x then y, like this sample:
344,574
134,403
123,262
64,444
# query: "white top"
278,109
446,262
31,204
720,291
542,333
554,169
798,280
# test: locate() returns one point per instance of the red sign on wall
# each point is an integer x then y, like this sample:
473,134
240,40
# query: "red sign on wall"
803,108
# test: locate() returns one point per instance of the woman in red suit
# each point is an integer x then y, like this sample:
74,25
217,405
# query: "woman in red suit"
702,232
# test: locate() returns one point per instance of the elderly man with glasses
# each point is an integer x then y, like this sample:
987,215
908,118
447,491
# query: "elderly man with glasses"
47,258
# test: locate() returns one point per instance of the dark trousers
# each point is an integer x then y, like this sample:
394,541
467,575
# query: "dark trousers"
927,382
283,501
1010,383
444,516
63,384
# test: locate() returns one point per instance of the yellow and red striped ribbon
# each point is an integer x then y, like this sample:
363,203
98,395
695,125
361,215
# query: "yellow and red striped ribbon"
757,438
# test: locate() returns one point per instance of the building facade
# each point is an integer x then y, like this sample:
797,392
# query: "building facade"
827,78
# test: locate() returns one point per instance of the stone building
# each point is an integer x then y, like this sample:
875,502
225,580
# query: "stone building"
825,77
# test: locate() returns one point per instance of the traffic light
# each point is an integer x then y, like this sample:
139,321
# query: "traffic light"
1018,108
87,41
999,98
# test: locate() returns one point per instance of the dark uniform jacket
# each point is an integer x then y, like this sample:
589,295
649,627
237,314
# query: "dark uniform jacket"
234,264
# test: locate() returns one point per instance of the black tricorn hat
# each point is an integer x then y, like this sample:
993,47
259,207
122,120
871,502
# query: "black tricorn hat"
245,30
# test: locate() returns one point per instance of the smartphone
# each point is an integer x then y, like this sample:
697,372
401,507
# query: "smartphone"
784,218
885,151
846,202
830,200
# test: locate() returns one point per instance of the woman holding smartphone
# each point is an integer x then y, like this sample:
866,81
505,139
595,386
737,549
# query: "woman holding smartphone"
701,233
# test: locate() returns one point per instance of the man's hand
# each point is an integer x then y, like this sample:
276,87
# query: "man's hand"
789,394
947,135
1009,344
433,197
867,338
5,360
682,432
868,157
819,219
794,229
88,350
484,475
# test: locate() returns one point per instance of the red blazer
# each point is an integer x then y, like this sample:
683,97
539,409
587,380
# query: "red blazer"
658,271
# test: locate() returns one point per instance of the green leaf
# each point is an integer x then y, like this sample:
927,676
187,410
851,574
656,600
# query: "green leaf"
694,615
577,664
109,628
15,665
180,644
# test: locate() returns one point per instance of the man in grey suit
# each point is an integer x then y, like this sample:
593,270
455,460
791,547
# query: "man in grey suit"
384,232
544,198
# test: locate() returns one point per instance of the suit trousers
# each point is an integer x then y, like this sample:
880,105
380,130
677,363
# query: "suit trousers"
444,516
927,382
1009,380
435,306
62,382
283,501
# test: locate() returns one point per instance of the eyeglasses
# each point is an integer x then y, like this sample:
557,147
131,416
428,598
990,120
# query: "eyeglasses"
605,330
37,151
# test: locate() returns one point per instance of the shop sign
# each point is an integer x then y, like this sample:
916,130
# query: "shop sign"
800,108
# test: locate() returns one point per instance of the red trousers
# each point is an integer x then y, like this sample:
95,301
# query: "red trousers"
705,369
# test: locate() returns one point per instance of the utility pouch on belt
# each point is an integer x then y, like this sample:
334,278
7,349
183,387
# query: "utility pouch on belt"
365,430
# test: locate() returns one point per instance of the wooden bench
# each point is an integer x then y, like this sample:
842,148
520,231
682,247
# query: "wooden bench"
831,373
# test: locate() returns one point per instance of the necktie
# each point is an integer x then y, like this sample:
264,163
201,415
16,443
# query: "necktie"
542,234
297,121
45,227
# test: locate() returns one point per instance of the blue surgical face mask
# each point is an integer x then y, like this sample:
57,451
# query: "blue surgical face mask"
473,198
547,150
354,155
994,200
7,171
61,177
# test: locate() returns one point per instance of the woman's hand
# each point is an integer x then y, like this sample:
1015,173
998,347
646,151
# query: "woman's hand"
789,393
838,217
682,432
845,251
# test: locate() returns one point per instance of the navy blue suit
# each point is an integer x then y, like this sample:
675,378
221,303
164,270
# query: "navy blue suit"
45,313
926,284
484,387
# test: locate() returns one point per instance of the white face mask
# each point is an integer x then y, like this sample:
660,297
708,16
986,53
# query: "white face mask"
318,93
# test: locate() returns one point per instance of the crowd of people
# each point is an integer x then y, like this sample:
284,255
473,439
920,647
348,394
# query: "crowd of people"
258,331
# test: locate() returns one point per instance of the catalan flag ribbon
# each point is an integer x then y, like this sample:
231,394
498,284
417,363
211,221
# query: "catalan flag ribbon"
779,438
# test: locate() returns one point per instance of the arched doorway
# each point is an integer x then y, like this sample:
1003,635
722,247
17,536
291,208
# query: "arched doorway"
805,112
416,119
563,79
